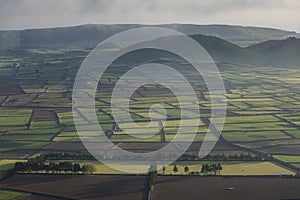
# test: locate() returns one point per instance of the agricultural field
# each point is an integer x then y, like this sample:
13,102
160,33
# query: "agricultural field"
10,194
193,187
36,114
108,187
231,168
6,164
294,160
103,187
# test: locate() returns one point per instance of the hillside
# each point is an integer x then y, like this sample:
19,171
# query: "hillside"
226,52
280,52
273,52
87,36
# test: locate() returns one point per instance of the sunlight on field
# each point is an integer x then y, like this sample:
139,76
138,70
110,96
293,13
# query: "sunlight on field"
232,168
8,164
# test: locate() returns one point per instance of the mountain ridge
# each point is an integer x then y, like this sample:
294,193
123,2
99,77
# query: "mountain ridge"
89,35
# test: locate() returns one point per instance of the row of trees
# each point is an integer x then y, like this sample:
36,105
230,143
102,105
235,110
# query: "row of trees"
66,167
206,169
211,169
38,164
185,157
67,156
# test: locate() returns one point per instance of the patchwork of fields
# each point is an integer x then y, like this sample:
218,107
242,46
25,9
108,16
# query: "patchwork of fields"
35,106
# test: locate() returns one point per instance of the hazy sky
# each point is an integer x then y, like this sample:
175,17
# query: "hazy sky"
20,14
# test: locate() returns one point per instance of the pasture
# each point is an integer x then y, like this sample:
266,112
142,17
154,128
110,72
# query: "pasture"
36,114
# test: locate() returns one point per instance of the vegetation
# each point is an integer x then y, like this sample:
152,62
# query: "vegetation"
87,169
288,158
262,111
212,169
10,195
227,168
38,164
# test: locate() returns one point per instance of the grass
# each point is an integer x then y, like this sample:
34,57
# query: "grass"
255,95
251,119
21,145
287,158
6,164
259,126
103,169
253,136
229,167
13,120
262,168
232,168
10,194
15,112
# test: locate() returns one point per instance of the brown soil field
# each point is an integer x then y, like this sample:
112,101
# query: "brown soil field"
220,146
39,197
132,146
100,187
10,90
43,115
242,188
65,146
19,100
152,146
71,146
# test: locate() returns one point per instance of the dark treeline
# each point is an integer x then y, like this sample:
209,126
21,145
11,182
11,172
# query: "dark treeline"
211,169
67,156
39,164
185,157
51,167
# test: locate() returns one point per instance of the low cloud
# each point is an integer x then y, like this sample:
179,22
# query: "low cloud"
21,14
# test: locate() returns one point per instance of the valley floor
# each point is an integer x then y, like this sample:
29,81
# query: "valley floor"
107,187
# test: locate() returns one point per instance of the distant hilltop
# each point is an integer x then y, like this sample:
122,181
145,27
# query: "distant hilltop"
226,44
88,36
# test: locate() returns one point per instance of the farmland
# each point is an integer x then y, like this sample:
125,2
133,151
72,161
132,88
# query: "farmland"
232,168
36,118
106,187
179,187
36,103
10,195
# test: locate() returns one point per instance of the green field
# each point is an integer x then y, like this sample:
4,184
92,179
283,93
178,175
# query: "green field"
36,100
6,164
10,195
229,167
289,159
232,168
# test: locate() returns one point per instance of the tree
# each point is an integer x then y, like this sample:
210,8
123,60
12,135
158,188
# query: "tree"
202,170
76,168
175,169
88,168
219,168
214,168
164,169
186,169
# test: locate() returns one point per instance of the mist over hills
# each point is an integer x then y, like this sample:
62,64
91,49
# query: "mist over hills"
87,36
223,42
